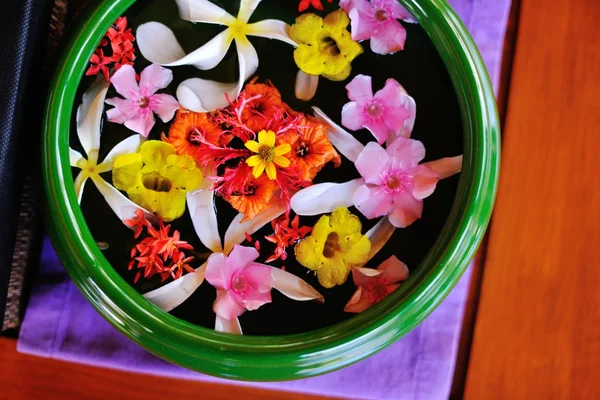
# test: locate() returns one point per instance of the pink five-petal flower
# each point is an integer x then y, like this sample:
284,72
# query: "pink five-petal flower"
387,112
373,285
136,110
378,20
395,183
241,283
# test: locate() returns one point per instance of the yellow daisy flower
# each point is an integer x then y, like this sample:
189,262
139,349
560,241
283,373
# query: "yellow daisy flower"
157,179
335,245
325,46
267,155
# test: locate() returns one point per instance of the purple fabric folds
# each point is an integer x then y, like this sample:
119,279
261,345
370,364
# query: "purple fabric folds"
61,324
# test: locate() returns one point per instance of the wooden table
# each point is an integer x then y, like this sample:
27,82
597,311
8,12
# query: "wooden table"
533,325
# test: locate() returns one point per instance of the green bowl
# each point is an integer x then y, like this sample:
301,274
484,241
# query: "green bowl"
275,358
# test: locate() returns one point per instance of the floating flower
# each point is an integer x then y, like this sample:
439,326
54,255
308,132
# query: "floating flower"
123,53
378,20
100,64
395,183
268,155
310,147
324,45
304,4
241,283
375,284
157,178
137,224
285,234
335,245
137,110
265,106
390,111
198,94
251,195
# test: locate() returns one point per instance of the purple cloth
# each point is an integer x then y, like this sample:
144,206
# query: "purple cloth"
61,324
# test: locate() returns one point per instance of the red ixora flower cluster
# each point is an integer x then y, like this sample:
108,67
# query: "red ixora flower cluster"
286,234
304,4
121,50
160,253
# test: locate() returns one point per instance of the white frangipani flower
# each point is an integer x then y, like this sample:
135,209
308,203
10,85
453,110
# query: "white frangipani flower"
159,45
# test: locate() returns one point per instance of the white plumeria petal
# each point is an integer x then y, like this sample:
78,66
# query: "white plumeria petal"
293,287
128,146
173,294
247,59
228,325
446,167
236,233
204,11
379,235
89,118
343,141
119,203
247,8
201,95
306,86
324,197
159,45
80,185
75,158
271,29
201,204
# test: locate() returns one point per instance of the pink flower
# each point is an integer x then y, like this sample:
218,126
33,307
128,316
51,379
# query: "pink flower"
241,283
375,285
395,184
378,20
140,102
388,112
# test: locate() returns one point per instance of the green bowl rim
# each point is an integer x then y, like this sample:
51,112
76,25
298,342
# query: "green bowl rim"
276,358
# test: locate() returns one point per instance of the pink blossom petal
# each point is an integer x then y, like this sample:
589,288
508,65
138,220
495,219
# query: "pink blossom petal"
405,210
123,111
393,270
259,276
389,38
125,83
358,303
425,182
372,202
226,307
164,106
257,300
378,128
141,124
155,77
446,167
217,270
371,162
362,20
393,8
408,152
241,256
353,116
360,88
362,277
393,97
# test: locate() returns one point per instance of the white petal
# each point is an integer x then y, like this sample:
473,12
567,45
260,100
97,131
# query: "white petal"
89,118
128,146
446,167
324,197
80,185
343,141
204,217
228,326
75,158
159,45
171,295
368,271
247,8
236,232
204,11
118,202
293,287
201,95
271,29
379,235
306,86
248,61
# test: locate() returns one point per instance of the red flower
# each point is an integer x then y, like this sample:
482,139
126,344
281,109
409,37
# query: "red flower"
286,235
121,41
139,223
99,63
304,4
118,33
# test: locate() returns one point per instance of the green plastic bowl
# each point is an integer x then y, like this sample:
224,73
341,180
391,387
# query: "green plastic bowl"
275,358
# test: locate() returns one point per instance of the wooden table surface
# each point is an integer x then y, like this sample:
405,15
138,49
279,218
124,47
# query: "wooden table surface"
535,322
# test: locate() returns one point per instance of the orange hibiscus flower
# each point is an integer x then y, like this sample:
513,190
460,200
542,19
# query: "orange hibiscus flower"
185,130
311,148
257,113
253,195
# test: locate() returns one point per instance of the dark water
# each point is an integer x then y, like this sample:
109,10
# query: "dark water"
418,68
